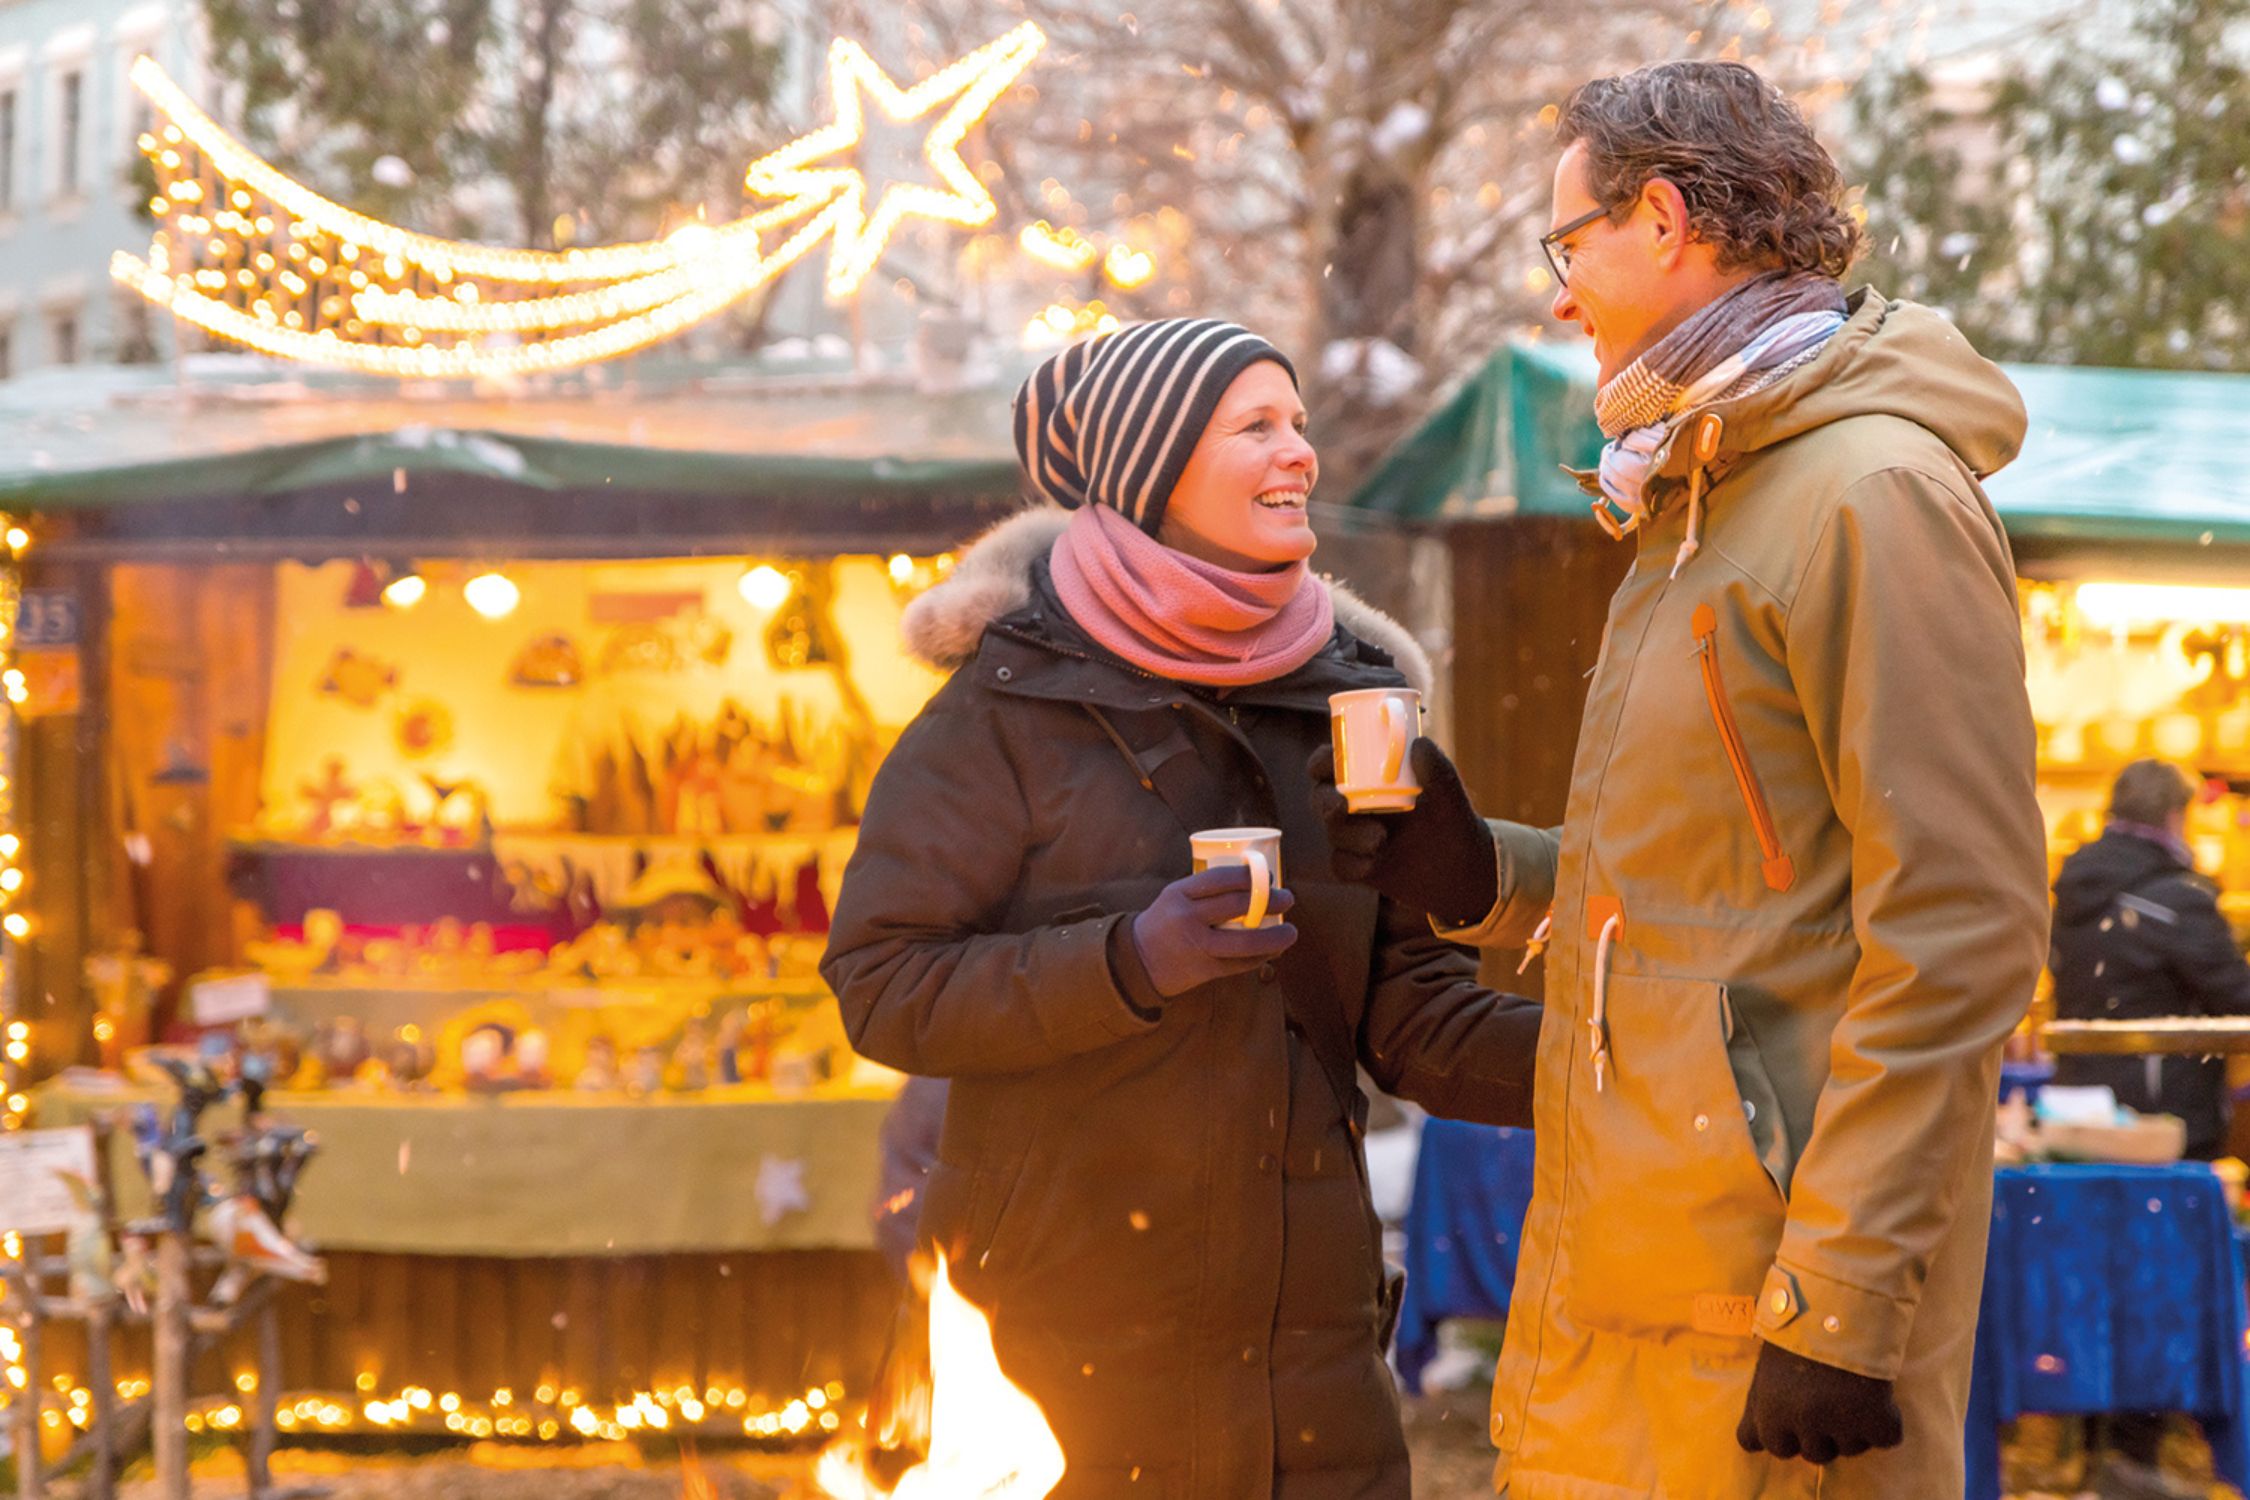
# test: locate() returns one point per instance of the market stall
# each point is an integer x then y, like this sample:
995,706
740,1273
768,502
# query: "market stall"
478,776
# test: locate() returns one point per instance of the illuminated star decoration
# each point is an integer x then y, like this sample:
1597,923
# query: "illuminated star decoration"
972,85
246,252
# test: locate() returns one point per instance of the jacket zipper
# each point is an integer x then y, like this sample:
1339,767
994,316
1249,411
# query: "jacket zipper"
1780,872
1209,710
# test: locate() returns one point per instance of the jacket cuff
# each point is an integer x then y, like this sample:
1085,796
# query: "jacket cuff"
1076,998
1129,974
1503,926
1833,1322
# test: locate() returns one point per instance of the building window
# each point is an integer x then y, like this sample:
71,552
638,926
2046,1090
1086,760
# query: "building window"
72,130
7,150
7,353
65,337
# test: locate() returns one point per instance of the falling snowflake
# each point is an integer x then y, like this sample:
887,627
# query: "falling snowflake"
781,1189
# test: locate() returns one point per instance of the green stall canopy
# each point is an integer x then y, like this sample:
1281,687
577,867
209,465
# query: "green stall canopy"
119,437
2113,456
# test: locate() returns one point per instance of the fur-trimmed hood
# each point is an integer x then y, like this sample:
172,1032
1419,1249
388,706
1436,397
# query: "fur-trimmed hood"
993,580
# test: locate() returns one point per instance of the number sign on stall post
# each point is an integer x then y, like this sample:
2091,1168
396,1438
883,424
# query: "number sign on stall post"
47,640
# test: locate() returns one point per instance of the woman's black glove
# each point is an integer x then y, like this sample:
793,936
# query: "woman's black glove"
1438,858
1179,940
1800,1407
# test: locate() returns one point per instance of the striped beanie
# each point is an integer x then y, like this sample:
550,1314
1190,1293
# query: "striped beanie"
1112,420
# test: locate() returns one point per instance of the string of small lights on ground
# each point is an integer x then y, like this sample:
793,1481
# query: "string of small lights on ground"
548,1414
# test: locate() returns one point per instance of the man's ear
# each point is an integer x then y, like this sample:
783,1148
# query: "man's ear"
1668,213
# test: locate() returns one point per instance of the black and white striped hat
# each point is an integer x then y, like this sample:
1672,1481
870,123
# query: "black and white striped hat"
1112,420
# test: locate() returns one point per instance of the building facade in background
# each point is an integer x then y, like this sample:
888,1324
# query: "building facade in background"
70,194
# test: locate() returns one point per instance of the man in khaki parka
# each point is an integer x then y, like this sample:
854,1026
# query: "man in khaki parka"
1797,900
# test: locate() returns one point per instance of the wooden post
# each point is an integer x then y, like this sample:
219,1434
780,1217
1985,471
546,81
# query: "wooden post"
265,1409
174,1292
101,1483
27,1400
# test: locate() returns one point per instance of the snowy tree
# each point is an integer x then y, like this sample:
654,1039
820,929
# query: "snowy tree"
2092,207
544,122
1365,179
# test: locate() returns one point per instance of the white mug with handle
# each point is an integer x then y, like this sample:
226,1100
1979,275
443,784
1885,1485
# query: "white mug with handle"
1372,730
1258,850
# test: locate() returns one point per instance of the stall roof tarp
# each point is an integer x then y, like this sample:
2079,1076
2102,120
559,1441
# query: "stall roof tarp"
2112,455
124,437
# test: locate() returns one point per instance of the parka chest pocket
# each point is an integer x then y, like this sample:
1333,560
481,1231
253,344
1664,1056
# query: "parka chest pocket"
1672,1210
1775,865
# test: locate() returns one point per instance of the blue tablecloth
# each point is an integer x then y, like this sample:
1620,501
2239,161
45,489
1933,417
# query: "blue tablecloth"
1471,1186
2108,1288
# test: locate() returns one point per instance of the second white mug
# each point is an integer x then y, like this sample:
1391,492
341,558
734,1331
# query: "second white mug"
1372,730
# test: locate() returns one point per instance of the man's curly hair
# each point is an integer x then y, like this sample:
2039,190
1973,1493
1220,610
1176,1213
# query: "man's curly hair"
1759,187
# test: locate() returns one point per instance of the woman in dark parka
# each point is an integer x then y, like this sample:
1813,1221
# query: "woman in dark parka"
1150,1173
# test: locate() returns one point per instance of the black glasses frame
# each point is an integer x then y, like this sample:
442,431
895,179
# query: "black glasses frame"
1557,253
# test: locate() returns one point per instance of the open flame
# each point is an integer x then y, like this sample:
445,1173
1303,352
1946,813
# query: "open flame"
988,1439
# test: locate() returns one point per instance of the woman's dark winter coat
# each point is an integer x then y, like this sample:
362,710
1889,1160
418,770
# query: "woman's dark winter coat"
1162,1203
2137,934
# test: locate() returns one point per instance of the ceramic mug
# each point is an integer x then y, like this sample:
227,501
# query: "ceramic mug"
1372,730
1257,848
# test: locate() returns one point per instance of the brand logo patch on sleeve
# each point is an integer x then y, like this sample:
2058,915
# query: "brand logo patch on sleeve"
1730,1317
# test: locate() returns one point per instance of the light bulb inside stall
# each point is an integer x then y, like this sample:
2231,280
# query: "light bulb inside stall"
492,595
406,590
902,568
766,587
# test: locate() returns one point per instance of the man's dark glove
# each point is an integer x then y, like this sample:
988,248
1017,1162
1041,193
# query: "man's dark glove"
1180,943
1438,858
1800,1407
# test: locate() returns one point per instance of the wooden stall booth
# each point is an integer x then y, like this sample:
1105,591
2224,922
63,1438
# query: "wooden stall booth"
480,772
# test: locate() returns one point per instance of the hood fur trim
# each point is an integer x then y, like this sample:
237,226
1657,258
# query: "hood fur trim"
993,579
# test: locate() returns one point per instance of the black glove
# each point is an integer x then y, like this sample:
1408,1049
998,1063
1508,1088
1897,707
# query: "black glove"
1438,858
1180,943
1800,1407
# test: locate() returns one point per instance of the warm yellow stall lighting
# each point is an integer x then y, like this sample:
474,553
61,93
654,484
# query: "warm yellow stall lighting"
492,595
2117,606
902,568
405,591
766,587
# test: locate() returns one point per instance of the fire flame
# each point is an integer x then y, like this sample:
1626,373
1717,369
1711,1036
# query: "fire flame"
988,1439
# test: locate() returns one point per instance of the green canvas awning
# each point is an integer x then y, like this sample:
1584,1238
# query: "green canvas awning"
2113,456
98,438
241,457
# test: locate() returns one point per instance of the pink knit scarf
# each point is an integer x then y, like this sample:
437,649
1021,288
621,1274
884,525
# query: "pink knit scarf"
1182,618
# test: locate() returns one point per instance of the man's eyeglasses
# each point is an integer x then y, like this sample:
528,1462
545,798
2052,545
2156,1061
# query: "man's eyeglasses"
1558,253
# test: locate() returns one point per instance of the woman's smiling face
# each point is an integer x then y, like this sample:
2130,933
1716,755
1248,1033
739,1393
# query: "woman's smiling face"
1240,502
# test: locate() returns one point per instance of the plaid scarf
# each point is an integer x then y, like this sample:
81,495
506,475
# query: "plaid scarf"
1747,339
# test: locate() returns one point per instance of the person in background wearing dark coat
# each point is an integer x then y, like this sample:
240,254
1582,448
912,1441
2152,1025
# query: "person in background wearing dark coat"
2137,935
1150,1171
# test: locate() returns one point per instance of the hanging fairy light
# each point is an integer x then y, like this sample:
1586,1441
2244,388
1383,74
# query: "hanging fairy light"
1062,249
15,927
406,590
492,595
1128,269
765,587
247,253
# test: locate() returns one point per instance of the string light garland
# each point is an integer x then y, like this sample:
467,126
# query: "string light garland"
547,1415
247,253
15,926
